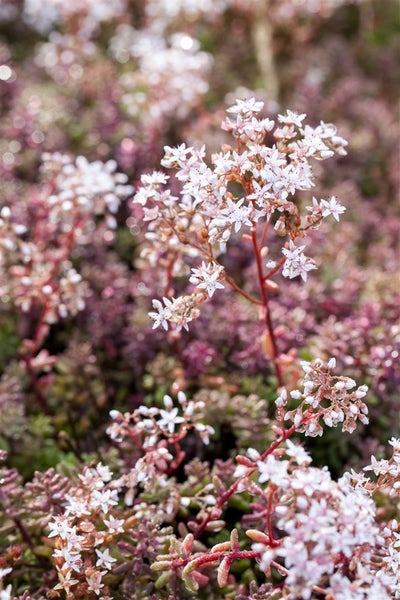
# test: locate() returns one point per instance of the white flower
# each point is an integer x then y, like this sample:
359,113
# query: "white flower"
249,105
266,555
114,525
274,470
104,499
332,207
291,118
163,313
65,581
207,277
104,559
169,418
155,179
76,506
298,453
236,214
94,581
204,431
104,472
175,156
60,526
296,262
71,558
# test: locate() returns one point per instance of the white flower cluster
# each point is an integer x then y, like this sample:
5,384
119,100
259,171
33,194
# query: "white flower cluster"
35,265
170,77
64,56
201,220
167,11
150,428
28,277
328,530
207,277
296,262
78,556
154,423
179,311
9,234
388,471
325,399
44,15
83,188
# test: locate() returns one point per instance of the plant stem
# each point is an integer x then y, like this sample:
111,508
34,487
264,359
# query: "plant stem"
264,297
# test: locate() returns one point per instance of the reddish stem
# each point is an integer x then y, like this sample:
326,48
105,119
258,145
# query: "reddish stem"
264,297
239,290
271,492
232,489
214,557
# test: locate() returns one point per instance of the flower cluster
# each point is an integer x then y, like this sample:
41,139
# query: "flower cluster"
36,257
86,530
169,81
43,16
325,399
340,523
230,243
146,426
88,188
84,533
317,534
201,221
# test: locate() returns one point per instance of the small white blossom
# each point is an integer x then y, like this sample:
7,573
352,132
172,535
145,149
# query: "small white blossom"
104,559
207,277
274,470
94,581
114,525
163,313
296,262
298,453
169,418
72,559
245,107
332,207
292,118
104,499
65,581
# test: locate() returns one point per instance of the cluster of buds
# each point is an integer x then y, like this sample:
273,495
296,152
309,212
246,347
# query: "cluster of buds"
325,399
199,223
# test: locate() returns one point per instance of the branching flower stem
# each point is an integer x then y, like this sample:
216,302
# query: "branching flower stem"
285,434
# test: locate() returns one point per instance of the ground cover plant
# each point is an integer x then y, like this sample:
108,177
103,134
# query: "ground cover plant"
199,300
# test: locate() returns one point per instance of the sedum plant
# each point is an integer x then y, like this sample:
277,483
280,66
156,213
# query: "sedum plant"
252,187
147,517
186,461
